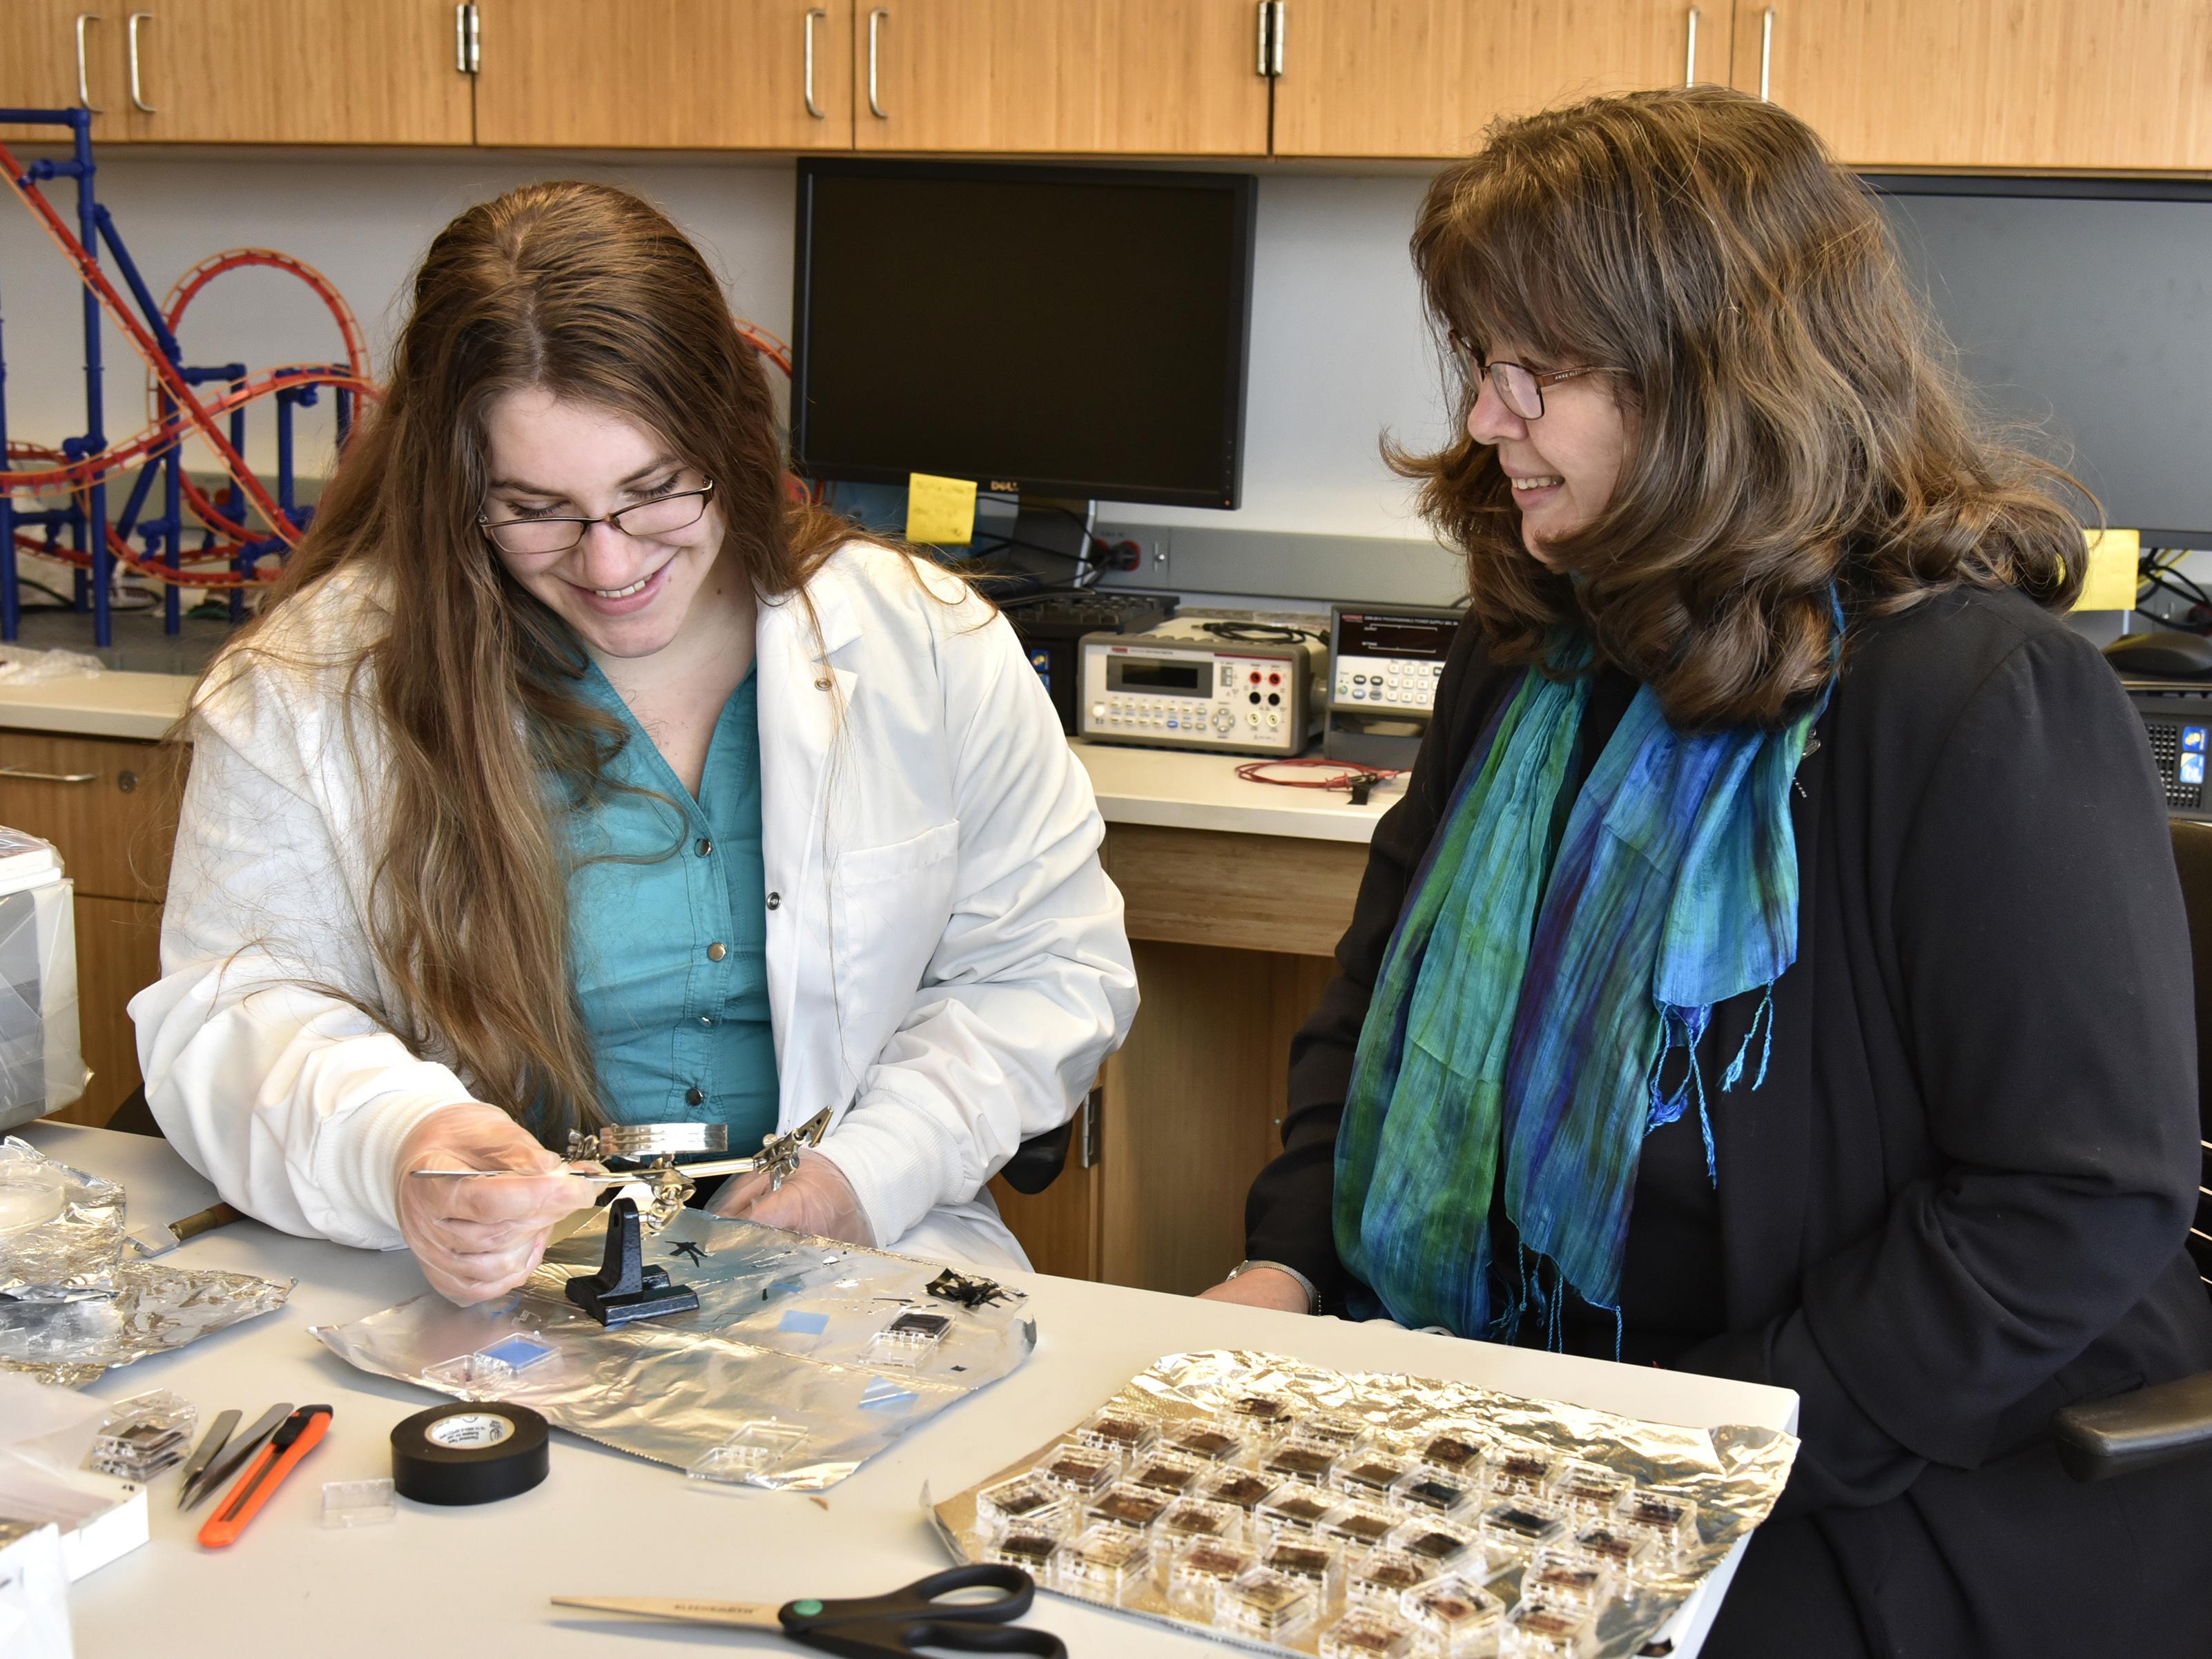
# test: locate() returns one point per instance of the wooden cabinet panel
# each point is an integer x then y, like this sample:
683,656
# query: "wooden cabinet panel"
1424,78
1095,78
118,954
665,74
301,72
1239,892
2107,85
1058,1226
109,805
39,66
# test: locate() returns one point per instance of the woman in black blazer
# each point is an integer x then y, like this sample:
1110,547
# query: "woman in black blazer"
1714,472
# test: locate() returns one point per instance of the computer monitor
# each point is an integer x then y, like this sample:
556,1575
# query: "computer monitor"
1058,332
2083,307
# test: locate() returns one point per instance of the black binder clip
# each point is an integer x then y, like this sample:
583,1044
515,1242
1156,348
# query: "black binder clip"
625,1288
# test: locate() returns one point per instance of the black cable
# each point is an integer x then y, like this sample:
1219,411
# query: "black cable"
1261,632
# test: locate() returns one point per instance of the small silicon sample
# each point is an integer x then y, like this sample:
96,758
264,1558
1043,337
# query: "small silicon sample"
1384,1575
1521,1524
1336,1430
1563,1579
1086,1471
1457,1617
1360,1526
1369,1475
1033,1551
1265,1604
1261,1419
1241,1487
1624,1552
1671,1522
1161,1472
1367,1634
1205,1443
1194,1518
1106,1564
1294,1509
1197,1571
471,1375
1311,1561
1437,1542
1028,1501
1119,1431
1536,1630
1437,1494
1588,1490
1300,1459
1123,1504
1518,1474
1458,1450
918,1327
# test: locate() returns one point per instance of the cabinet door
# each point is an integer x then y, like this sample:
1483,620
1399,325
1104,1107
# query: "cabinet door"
1040,78
299,72
667,74
118,954
2090,84
1424,78
40,67
109,806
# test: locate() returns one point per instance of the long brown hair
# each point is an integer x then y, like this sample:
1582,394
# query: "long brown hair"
591,295
1798,429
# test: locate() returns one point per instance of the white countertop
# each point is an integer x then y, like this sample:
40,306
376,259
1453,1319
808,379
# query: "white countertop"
1174,789
476,1581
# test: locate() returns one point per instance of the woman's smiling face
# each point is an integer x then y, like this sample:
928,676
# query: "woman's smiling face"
625,595
1563,463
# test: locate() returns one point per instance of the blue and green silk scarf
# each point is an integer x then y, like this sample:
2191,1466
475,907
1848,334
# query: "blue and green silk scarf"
1524,1016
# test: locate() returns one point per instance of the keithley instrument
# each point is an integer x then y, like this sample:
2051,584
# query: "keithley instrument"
1243,688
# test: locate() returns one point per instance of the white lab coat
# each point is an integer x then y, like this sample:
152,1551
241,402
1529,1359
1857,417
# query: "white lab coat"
946,962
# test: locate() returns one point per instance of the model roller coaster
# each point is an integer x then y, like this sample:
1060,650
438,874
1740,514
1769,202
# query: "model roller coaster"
170,529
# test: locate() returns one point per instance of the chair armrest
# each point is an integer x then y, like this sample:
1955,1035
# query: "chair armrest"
2101,1438
1037,1162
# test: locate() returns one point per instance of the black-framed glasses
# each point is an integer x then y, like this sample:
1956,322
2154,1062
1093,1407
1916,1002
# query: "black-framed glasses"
664,515
1519,388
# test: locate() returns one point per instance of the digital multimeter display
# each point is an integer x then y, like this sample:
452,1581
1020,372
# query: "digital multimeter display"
1152,676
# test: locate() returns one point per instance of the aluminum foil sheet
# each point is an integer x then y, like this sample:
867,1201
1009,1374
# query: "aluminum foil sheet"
789,1375
61,1229
1734,1473
74,1301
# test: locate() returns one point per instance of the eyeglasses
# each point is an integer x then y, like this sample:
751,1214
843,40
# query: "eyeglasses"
1519,388
663,515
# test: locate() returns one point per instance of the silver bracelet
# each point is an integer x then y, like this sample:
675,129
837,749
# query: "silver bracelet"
1313,1296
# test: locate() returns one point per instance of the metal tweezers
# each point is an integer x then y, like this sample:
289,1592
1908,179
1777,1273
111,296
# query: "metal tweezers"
778,1157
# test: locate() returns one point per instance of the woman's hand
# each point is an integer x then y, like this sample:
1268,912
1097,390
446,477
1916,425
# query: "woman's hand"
479,1239
1261,1287
815,1198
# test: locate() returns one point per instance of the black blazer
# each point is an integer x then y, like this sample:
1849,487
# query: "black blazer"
1959,1201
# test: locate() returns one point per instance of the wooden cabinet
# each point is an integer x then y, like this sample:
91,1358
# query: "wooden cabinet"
2098,85
109,806
667,74
1232,936
56,54
1424,78
296,72
1040,78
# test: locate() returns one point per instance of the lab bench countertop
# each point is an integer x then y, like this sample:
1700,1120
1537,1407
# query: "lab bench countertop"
1168,789
479,1580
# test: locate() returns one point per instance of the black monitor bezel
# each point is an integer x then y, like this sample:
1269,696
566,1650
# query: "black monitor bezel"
1242,187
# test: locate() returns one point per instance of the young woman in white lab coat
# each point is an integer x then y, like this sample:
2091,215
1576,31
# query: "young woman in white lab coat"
574,774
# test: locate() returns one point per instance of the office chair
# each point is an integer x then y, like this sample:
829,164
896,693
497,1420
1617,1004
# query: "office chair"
2098,1439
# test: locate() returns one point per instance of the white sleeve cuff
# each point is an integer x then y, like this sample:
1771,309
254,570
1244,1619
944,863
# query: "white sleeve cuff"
357,1154
899,1163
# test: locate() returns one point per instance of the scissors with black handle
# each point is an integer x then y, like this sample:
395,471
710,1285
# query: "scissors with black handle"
901,1625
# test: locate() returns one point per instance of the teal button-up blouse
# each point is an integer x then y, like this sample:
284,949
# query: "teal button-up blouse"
668,937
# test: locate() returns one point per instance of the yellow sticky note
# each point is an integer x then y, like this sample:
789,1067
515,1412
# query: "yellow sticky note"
2110,584
940,510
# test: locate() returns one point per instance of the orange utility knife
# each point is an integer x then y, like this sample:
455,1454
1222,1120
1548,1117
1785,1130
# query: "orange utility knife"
300,1433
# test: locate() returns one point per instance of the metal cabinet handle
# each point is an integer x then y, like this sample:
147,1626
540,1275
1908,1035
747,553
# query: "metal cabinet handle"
84,89
1766,56
1690,69
807,63
131,35
875,22
49,777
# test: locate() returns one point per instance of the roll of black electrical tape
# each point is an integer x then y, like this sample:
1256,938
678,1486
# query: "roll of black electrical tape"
468,1452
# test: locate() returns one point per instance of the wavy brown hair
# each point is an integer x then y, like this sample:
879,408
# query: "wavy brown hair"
1797,426
472,692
